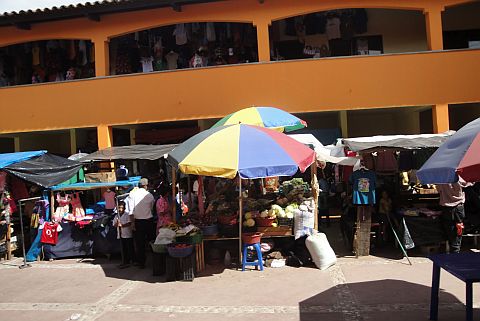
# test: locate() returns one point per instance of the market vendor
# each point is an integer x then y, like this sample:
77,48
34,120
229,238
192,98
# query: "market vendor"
452,199
139,205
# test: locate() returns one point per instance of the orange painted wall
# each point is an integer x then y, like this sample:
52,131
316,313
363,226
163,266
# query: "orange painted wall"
298,86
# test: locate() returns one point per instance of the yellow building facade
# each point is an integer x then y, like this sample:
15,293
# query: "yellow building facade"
414,83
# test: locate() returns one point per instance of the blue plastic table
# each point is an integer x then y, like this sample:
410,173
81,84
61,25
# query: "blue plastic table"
466,267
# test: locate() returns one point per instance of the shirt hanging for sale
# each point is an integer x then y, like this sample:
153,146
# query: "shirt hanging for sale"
364,184
50,233
109,198
180,34
147,64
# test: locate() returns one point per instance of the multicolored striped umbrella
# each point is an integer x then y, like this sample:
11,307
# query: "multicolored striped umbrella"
269,117
458,156
251,151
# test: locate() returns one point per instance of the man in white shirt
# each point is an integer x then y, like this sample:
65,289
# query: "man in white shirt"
139,206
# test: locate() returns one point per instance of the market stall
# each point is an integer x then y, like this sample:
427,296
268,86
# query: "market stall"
394,160
39,168
92,233
241,152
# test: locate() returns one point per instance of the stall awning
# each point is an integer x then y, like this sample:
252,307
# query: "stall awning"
132,181
323,153
45,170
12,158
396,141
148,152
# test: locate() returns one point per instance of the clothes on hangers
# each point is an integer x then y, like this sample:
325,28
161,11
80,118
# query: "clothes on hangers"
364,184
62,209
109,197
50,233
78,211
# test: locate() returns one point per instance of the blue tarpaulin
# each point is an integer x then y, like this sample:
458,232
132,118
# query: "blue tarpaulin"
12,158
132,181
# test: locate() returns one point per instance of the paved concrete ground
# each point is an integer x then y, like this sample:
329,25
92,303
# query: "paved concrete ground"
370,288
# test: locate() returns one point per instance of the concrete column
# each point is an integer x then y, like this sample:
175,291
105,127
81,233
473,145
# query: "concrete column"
104,136
132,136
433,20
343,118
73,141
441,121
202,125
102,57
263,40
16,143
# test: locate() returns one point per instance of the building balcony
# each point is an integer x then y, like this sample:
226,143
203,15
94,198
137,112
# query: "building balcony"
313,85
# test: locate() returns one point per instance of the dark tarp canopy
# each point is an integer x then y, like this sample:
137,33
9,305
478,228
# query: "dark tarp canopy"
148,152
46,170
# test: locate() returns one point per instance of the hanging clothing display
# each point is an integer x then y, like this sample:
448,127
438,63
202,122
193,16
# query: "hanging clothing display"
180,34
109,197
172,60
386,162
77,211
62,209
147,64
50,233
364,184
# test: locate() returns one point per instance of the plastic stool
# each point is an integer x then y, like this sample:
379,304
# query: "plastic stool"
259,261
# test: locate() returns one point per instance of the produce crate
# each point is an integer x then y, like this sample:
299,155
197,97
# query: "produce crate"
275,231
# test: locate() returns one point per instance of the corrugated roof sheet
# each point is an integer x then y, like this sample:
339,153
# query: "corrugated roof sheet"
35,8
82,8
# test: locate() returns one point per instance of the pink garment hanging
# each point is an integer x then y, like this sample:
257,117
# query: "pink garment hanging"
78,211
62,209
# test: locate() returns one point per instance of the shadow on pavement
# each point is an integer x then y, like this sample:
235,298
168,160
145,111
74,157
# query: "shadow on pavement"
380,300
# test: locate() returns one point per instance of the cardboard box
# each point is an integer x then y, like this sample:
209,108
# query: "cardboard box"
103,177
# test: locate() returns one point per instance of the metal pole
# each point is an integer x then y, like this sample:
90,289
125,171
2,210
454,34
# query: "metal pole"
398,240
174,196
25,264
240,215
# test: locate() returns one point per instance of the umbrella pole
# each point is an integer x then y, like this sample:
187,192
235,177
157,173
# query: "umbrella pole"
240,215
174,198
189,193
315,188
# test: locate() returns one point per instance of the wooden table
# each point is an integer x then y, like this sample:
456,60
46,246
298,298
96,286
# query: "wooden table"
466,267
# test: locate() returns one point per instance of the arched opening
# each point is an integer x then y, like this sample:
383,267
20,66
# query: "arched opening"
348,32
181,46
46,61
461,26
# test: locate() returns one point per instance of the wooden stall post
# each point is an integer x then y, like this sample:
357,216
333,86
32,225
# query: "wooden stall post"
174,204
362,231
52,204
240,215
8,237
315,191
